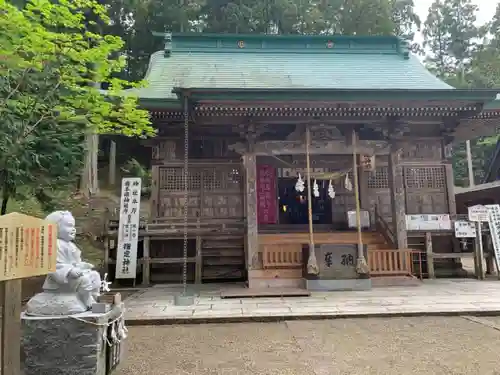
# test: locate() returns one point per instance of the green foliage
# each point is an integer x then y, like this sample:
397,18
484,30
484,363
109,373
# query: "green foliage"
134,20
48,99
466,55
133,168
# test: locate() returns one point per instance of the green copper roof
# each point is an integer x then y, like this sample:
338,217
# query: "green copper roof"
284,62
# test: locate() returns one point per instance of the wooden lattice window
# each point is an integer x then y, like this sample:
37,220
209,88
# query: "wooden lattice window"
379,179
425,178
212,179
172,179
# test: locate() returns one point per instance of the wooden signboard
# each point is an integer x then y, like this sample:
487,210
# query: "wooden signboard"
28,247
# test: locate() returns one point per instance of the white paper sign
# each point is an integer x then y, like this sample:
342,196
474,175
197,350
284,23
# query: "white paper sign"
428,222
128,230
494,222
465,229
364,216
478,213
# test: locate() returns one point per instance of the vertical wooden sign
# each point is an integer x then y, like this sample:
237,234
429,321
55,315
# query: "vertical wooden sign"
28,247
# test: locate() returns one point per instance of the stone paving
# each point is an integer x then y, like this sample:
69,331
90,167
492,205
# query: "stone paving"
433,297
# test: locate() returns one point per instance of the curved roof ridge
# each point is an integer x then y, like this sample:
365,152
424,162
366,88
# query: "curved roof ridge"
155,56
415,60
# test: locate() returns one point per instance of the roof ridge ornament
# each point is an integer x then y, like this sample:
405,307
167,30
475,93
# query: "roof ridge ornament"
403,48
168,44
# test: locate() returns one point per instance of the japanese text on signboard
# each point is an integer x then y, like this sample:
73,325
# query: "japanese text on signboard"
128,231
267,208
26,246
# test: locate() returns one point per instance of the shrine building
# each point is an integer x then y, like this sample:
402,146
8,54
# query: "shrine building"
246,113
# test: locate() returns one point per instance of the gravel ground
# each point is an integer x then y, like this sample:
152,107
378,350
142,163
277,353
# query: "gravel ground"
396,346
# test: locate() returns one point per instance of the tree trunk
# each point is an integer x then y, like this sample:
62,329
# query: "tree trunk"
89,184
5,200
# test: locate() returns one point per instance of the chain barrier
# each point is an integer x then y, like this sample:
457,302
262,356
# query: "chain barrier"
186,194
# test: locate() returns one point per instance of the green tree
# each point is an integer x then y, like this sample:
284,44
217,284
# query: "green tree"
451,34
458,56
48,96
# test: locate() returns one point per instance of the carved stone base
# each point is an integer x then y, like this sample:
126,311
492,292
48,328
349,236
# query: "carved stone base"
64,345
51,304
362,268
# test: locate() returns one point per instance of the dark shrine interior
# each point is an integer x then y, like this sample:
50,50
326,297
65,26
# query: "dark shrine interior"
293,204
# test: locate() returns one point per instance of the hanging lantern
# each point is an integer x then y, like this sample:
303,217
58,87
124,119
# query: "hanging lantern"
316,189
299,186
347,183
331,190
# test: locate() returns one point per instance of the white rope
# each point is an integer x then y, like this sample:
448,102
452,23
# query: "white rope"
97,324
118,329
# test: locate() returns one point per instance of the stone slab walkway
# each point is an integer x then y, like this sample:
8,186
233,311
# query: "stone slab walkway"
434,297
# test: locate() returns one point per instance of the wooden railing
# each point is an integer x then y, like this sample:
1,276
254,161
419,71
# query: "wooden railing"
281,256
390,262
175,227
384,228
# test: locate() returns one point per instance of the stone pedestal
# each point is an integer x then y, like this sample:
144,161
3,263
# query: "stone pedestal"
65,345
337,269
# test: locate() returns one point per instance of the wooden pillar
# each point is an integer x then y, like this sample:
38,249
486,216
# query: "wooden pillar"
450,189
430,255
146,261
198,274
251,233
155,195
398,198
11,327
490,258
364,195
112,163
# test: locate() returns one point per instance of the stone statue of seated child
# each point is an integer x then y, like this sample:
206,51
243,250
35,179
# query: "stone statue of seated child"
74,286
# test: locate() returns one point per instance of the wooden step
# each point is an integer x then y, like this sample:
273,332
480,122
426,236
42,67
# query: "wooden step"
223,261
211,244
222,253
222,273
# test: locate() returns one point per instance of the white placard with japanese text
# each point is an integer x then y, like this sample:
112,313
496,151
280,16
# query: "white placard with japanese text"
465,229
494,223
478,213
428,222
128,230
